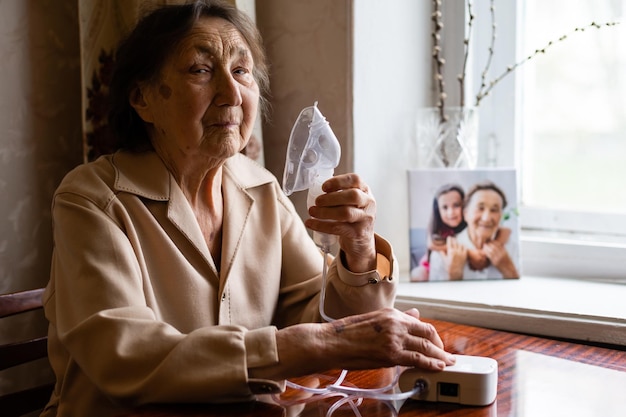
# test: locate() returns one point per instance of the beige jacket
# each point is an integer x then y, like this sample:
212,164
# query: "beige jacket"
138,311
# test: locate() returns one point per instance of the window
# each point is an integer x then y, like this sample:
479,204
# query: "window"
561,118
574,105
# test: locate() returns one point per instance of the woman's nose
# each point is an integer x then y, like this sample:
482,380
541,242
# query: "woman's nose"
227,91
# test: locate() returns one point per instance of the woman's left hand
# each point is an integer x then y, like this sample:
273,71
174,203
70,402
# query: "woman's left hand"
500,258
350,205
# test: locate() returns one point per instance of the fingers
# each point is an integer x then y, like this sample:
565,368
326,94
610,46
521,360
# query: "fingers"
422,354
496,253
488,250
453,245
493,250
347,199
413,312
344,182
424,347
456,252
423,330
340,212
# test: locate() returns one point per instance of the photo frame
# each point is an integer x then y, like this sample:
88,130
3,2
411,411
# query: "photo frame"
464,224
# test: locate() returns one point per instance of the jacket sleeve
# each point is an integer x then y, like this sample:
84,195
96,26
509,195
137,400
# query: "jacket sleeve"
348,293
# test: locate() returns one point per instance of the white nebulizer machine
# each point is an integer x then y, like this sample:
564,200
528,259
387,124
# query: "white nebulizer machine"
313,154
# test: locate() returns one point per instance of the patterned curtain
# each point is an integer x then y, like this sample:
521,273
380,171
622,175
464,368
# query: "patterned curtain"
102,25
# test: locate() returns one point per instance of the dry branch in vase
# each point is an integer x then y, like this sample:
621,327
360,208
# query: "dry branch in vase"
485,86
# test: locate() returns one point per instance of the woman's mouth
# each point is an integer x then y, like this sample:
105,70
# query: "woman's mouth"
226,126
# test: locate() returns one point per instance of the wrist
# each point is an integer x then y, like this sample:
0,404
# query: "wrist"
301,351
358,263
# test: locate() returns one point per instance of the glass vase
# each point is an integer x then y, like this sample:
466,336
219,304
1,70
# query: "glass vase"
447,139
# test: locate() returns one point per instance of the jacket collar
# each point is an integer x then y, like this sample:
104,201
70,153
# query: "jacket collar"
143,174
146,175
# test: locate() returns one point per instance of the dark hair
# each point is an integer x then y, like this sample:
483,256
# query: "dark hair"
141,55
437,225
482,186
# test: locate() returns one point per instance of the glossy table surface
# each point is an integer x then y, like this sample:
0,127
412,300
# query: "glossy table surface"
536,377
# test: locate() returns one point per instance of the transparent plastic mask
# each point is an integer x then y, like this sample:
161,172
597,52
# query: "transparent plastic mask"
313,152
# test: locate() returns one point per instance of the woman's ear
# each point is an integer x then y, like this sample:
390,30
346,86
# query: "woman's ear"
139,103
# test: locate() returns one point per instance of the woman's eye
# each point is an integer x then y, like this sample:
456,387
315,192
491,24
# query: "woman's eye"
200,70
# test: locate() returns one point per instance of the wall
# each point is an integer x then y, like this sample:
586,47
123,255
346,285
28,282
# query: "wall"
392,79
40,137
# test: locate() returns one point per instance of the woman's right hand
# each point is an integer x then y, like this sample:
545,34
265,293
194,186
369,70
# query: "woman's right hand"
477,259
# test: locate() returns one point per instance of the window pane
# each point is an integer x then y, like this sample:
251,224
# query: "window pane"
574,95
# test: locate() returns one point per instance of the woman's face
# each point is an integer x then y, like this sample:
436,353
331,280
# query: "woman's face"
451,208
206,100
482,214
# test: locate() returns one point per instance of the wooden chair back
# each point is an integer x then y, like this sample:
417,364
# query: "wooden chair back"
20,352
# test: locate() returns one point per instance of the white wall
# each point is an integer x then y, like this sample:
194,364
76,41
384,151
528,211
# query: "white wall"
392,68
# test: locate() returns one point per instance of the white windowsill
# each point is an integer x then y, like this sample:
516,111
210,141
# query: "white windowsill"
562,308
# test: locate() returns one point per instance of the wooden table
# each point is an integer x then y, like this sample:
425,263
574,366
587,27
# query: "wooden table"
536,377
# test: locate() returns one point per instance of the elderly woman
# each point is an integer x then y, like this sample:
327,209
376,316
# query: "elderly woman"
181,272
482,211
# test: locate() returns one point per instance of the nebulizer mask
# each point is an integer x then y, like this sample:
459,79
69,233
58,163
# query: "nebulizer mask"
313,154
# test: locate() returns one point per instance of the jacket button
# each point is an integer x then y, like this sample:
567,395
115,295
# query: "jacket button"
223,297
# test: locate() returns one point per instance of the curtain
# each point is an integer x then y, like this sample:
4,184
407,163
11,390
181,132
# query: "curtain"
102,24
